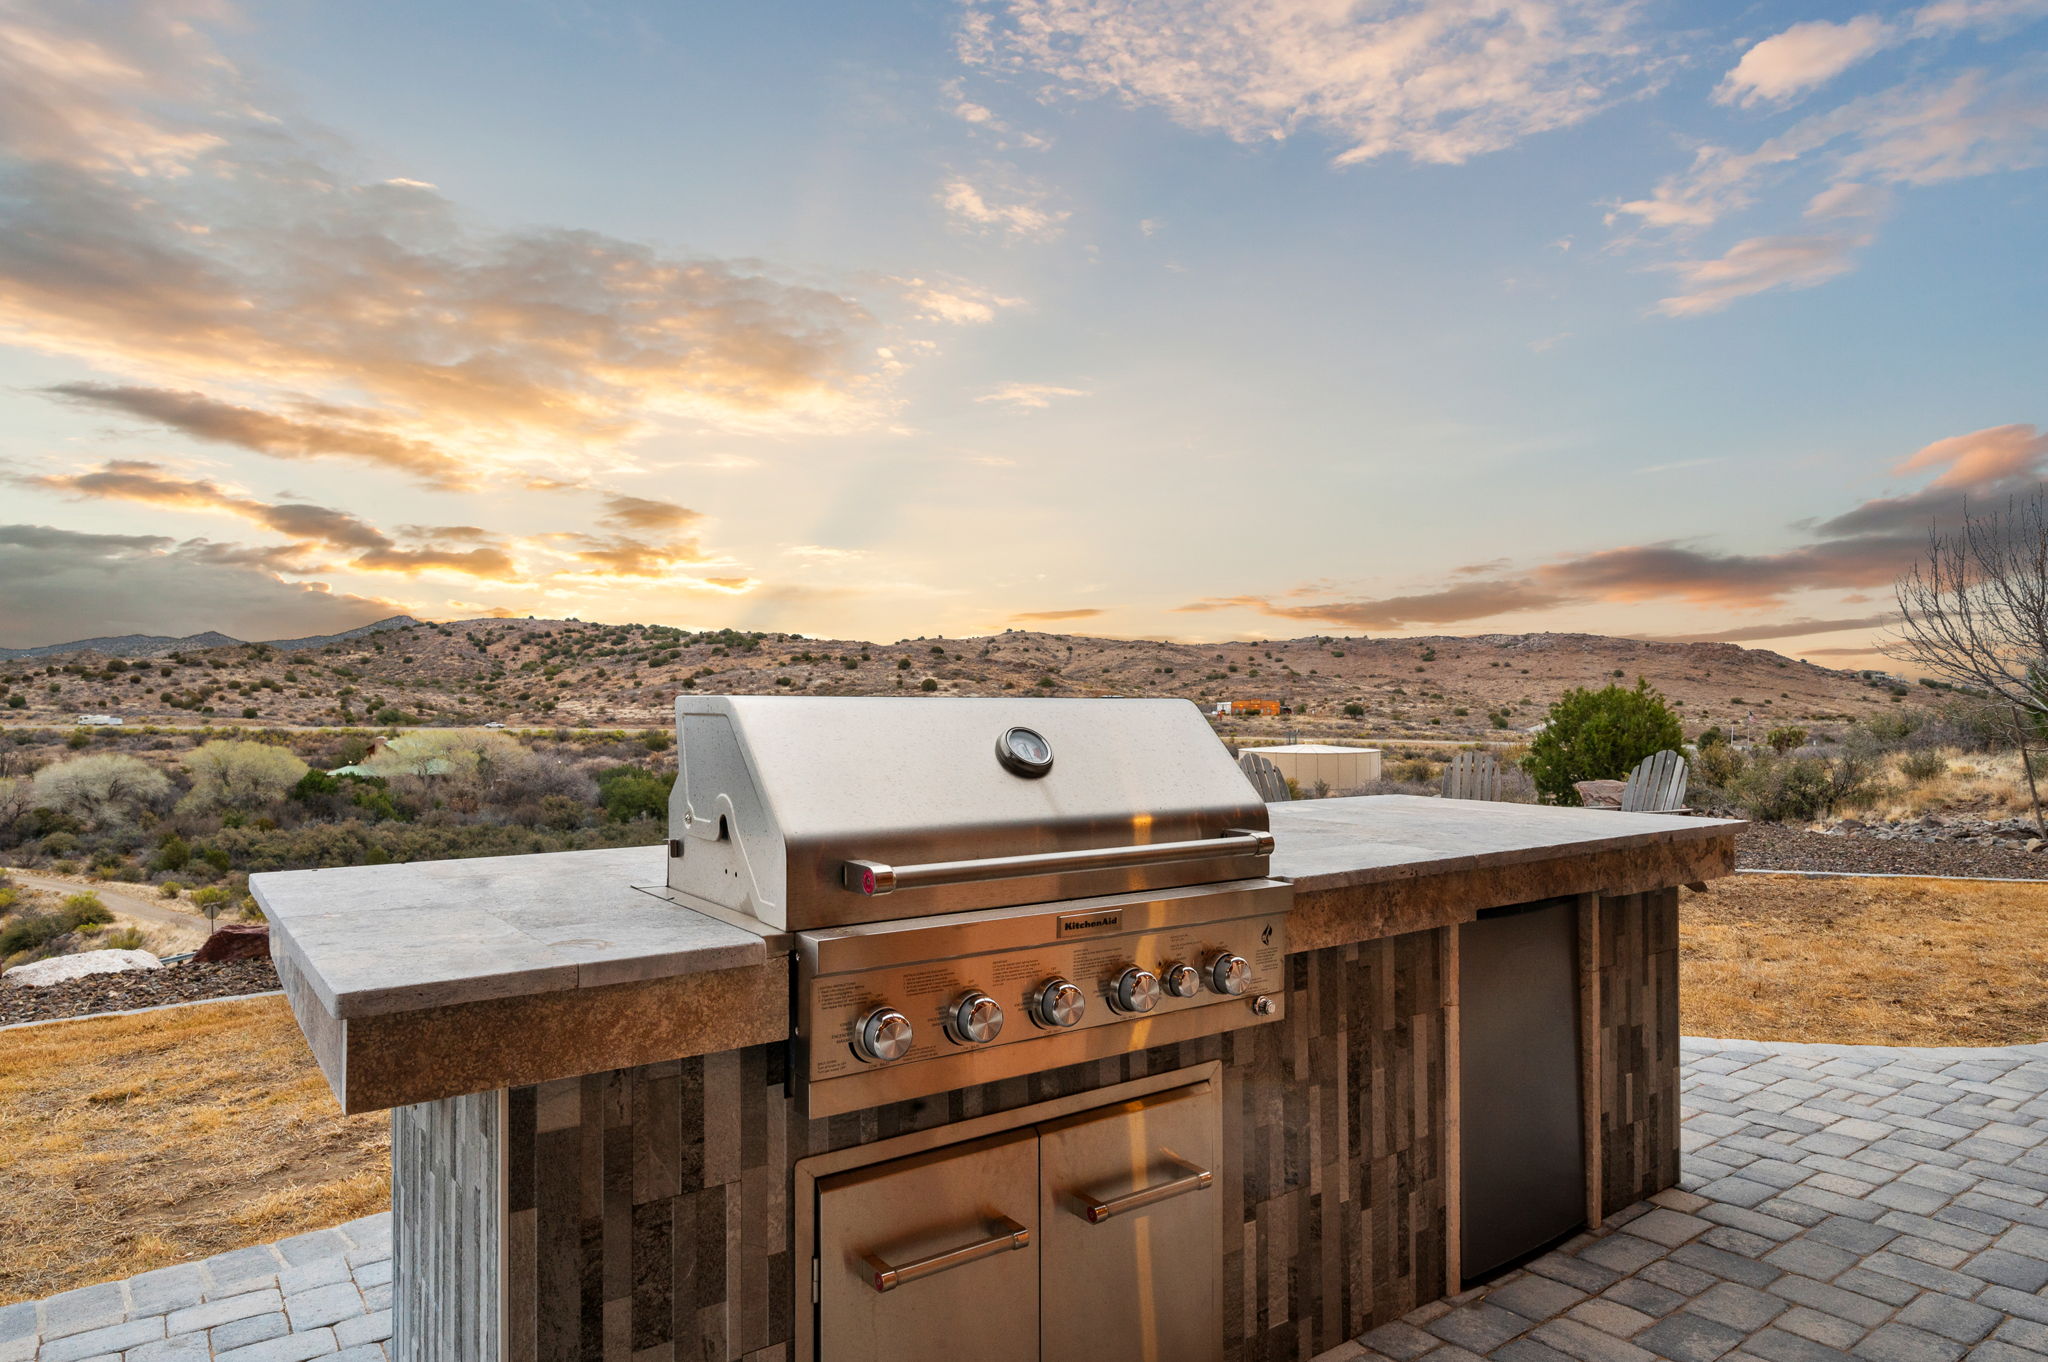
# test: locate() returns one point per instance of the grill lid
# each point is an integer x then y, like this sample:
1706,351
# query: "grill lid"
813,811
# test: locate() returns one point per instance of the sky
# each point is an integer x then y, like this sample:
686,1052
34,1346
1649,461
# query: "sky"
1197,319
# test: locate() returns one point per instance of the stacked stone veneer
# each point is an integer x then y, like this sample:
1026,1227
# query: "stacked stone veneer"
646,1211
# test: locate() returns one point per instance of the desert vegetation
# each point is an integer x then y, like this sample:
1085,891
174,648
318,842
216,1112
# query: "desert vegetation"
194,814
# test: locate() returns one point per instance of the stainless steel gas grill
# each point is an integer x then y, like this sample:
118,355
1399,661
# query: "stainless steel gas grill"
976,889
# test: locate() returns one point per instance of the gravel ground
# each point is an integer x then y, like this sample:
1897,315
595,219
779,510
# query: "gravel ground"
1773,846
136,988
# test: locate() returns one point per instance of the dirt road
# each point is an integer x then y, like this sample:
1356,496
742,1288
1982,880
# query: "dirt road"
126,902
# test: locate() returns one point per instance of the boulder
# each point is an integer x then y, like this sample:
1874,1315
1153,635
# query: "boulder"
1600,794
236,941
59,969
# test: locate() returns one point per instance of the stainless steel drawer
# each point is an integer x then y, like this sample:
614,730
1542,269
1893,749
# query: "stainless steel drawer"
933,1257
1130,1214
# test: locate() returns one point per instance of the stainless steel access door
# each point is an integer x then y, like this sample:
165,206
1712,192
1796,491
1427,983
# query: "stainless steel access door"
932,1258
1132,1229
1523,1160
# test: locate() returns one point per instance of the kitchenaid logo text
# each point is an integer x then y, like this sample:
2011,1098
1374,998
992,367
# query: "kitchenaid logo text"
1090,924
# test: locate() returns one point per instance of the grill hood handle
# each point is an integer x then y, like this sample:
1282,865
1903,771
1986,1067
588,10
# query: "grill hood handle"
872,878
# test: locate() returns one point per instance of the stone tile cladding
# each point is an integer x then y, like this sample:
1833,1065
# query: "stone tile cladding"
648,1209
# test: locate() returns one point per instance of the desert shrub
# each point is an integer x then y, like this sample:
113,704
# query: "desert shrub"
170,889
1923,765
1413,771
1779,789
103,789
629,792
29,932
1599,735
1355,711
1785,739
173,853
242,776
123,939
1716,766
928,685
85,906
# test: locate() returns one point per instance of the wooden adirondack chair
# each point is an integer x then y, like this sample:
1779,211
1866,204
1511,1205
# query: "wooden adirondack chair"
1472,775
1657,785
1265,778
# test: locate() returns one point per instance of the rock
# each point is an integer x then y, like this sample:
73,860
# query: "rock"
2034,844
236,941
59,969
1600,794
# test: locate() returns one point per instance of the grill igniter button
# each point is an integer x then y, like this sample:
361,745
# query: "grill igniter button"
1060,1004
884,1034
1182,979
1137,990
1231,974
977,1019
1264,1006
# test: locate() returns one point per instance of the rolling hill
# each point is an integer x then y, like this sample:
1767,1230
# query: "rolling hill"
565,672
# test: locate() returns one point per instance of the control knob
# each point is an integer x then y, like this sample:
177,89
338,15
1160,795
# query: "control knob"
1061,1004
1182,979
884,1034
977,1018
1137,990
1230,974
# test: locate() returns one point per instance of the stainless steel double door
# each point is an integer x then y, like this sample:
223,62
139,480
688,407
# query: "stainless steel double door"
1093,1235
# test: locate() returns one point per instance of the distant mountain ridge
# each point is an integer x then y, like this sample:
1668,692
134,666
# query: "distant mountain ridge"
156,645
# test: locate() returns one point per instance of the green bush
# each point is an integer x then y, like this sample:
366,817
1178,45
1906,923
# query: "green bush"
174,854
928,685
1791,789
170,889
629,792
1599,735
84,907
1923,765
1355,711
126,939
1785,739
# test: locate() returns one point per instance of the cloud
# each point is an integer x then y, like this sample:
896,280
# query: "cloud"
1989,463
252,286
1029,396
1849,199
1989,15
958,304
1802,57
1022,218
1801,628
339,432
1757,265
1473,600
1865,547
308,526
1053,616
1435,80
58,584
1914,134
1982,457
645,513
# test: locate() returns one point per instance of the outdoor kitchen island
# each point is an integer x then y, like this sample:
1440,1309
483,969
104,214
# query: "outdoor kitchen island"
600,1145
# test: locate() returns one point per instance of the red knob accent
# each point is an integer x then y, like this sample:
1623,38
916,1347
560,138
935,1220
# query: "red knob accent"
867,882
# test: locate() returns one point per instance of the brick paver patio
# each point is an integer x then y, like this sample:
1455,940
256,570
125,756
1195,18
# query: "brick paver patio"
1839,1204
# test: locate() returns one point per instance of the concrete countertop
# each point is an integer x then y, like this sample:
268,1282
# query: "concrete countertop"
373,940
433,979
377,939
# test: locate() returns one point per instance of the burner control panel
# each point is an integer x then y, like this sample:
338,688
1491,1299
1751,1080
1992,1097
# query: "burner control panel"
887,1012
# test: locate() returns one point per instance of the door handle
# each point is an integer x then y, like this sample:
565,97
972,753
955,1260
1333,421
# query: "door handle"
1010,1235
1095,1210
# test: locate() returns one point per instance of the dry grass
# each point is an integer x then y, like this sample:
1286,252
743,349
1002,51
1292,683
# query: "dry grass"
1865,961
1991,784
129,1143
